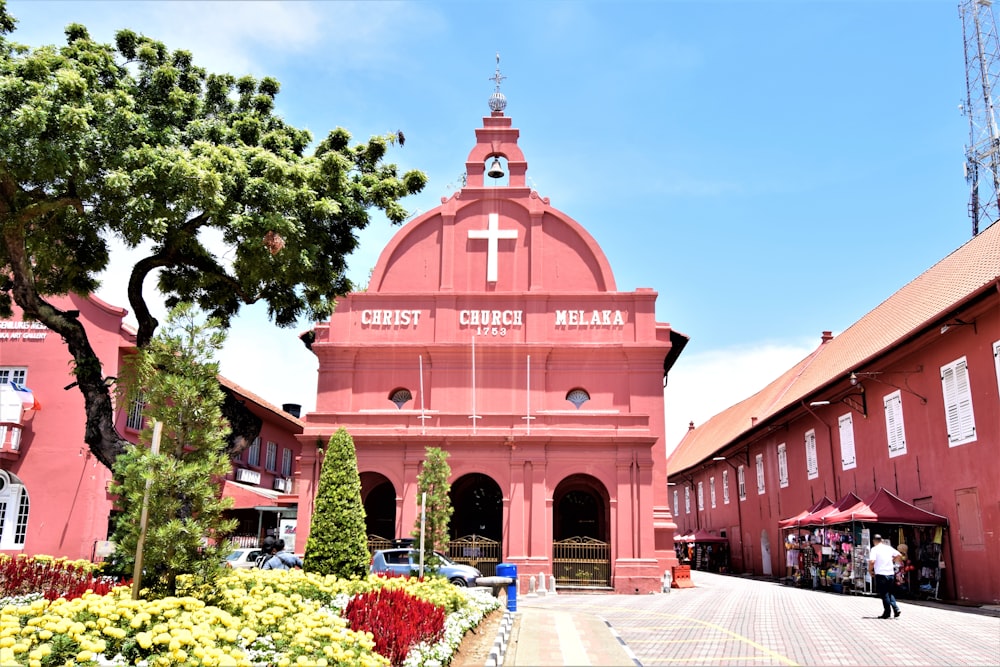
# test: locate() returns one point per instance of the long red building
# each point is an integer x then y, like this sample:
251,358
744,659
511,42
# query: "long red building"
901,410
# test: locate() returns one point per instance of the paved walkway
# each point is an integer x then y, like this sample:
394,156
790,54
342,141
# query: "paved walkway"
734,621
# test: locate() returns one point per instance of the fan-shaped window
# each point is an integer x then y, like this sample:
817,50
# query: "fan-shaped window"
401,397
578,397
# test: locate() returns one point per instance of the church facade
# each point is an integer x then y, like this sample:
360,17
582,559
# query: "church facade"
492,328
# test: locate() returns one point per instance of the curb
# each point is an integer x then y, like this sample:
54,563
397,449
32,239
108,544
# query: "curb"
499,650
618,638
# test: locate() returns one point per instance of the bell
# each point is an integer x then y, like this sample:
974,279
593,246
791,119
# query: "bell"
496,169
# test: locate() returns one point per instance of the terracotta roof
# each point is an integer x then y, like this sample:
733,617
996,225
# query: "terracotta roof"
932,295
249,395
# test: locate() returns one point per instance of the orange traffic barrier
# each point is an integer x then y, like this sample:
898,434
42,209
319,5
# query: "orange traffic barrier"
682,577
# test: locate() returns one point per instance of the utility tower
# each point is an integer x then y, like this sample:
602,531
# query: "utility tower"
982,155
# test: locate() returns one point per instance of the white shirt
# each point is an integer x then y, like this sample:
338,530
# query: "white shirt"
882,556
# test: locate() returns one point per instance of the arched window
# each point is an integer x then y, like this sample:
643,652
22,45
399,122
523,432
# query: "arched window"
578,397
13,512
401,397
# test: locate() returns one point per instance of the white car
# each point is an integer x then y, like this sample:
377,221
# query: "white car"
243,557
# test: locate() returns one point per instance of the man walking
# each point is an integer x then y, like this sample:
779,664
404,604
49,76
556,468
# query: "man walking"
880,565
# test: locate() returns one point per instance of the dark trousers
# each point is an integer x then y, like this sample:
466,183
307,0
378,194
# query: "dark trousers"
885,588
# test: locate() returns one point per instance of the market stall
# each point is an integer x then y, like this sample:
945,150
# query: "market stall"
710,552
899,523
819,554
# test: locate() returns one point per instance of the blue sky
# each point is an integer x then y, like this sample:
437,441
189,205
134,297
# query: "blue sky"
771,169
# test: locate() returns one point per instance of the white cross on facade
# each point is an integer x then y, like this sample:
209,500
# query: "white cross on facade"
492,234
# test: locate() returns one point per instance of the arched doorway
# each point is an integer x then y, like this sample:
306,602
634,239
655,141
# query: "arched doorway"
476,526
378,496
581,549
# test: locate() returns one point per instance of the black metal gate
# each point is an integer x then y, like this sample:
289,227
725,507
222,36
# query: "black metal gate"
582,561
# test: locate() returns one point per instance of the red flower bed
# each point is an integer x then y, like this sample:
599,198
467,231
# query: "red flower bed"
396,619
23,575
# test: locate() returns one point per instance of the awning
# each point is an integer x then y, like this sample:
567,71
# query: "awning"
248,497
819,517
792,522
884,507
703,536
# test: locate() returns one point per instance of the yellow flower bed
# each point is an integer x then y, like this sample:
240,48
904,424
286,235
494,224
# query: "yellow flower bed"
275,617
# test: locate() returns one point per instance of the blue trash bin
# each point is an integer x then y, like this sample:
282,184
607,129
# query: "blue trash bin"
509,570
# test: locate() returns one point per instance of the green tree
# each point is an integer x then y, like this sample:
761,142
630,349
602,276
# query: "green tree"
337,542
433,480
135,142
176,377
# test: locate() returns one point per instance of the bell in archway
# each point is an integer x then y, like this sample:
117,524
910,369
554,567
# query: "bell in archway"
496,169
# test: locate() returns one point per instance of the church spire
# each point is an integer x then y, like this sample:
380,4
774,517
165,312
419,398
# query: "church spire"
497,100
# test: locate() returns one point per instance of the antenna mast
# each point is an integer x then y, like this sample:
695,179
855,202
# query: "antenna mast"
982,155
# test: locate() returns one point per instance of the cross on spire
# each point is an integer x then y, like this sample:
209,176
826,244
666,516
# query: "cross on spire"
492,234
496,75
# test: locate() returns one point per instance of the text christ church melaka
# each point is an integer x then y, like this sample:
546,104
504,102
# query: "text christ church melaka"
492,328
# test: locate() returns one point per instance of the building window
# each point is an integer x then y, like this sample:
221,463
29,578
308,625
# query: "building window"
996,361
895,434
14,506
578,397
812,461
286,462
701,496
271,457
401,397
782,466
958,403
134,419
253,453
760,475
9,374
711,490
687,499
725,487
848,459
677,504
741,483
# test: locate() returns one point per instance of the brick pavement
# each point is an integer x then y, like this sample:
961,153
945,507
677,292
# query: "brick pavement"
736,621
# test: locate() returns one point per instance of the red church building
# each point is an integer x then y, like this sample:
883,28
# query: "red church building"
492,328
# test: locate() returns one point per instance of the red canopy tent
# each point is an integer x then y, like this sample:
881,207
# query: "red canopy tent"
792,522
704,536
884,507
818,518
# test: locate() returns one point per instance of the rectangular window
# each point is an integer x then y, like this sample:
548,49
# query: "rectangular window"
711,490
134,419
958,403
895,434
271,460
848,459
286,462
782,466
760,475
253,453
996,361
16,374
701,496
741,482
812,461
21,527
677,505
687,499
725,487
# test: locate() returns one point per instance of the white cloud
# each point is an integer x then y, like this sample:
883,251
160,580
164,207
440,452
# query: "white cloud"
704,384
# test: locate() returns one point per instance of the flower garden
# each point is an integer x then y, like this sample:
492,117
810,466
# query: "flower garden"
56,612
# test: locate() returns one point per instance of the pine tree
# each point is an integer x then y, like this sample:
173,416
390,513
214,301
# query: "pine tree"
176,378
337,542
433,480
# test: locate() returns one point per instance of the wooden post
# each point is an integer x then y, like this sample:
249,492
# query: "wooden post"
144,517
